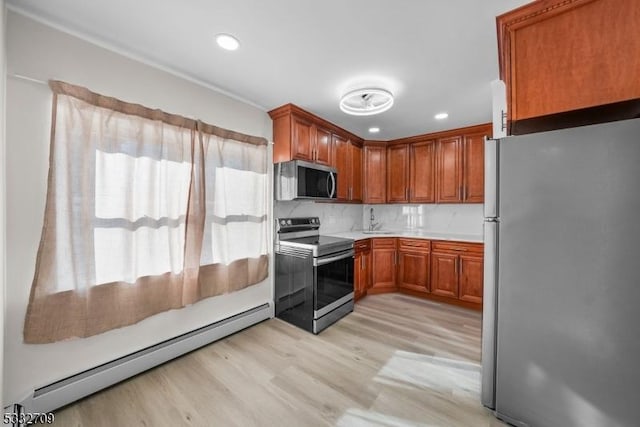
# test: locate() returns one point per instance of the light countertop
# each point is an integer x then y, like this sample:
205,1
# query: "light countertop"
417,234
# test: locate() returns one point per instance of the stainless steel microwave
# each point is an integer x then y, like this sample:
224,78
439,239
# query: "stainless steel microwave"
298,180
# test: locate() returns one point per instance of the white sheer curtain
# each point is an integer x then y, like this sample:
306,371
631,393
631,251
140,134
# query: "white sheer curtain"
234,250
137,201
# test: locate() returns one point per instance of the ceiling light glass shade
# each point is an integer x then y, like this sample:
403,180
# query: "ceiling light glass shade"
441,116
366,102
374,130
227,41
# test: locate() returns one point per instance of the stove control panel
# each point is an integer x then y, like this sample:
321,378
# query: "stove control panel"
284,225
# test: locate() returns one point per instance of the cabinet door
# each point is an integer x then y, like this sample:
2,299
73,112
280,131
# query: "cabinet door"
473,181
322,146
560,56
367,270
444,274
355,160
449,170
375,174
471,274
359,283
384,269
422,174
398,174
341,163
301,134
413,270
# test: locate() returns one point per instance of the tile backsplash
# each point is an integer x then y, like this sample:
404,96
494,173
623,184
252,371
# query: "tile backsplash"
334,217
337,217
446,218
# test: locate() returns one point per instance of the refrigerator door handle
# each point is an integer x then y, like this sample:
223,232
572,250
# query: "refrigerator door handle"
491,178
489,314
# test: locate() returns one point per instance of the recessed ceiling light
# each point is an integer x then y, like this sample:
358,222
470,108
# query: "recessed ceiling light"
366,102
441,116
227,41
374,130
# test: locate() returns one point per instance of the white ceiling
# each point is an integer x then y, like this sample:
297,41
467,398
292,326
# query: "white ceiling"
433,55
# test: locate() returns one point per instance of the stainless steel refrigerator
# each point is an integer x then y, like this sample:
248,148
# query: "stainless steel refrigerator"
561,320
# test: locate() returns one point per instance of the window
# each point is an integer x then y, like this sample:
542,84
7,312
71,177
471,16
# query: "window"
146,212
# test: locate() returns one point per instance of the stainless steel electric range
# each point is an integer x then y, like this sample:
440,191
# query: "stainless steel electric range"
314,274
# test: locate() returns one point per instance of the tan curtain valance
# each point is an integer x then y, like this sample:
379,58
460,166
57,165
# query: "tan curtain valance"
84,94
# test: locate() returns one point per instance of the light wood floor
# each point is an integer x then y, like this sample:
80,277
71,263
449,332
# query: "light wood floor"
395,361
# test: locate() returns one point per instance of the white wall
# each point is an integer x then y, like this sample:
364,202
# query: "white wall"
40,52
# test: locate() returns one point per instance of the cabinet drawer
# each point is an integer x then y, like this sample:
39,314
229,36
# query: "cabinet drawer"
362,245
464,247
422,245
384,242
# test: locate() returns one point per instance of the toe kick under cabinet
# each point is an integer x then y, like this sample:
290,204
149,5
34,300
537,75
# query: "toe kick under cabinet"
446,271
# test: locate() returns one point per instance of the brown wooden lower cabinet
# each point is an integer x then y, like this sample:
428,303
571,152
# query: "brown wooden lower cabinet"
471,276
361,268
446,271
384,262
413,264
457,270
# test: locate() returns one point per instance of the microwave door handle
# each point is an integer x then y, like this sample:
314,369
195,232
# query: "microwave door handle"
333,185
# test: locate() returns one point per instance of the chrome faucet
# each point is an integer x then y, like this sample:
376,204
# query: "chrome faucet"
372,217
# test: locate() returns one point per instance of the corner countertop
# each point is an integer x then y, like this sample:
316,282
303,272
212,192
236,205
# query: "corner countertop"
416,234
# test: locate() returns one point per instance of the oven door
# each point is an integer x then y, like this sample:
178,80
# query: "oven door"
333,281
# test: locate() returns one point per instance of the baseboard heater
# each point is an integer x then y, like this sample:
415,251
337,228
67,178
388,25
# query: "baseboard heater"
75,387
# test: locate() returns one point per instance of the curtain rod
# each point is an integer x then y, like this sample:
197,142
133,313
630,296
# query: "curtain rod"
29,79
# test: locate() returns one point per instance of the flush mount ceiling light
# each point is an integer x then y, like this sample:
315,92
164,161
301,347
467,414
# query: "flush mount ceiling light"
441,116
227,41
374,129
366,102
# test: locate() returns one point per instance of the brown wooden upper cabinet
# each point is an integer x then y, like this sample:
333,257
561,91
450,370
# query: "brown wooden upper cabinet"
443,167
411,172
449,170
398,173
322,145
422,172
355,160
460,167
473,167
300,135
375,172
570,63
347,159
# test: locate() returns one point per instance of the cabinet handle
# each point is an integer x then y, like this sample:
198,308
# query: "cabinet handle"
464,192
455,266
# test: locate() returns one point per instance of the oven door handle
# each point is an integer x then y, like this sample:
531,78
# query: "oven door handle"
322,261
